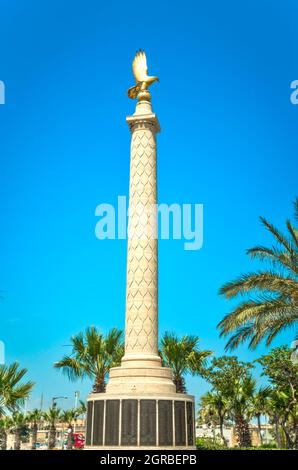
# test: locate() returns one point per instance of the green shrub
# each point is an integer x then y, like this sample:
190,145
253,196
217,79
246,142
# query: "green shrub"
268,446
208,443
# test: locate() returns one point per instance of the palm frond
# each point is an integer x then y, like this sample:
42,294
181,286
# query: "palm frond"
278,258
242,334
265,281
92,355
266,326
246,311
293,232
272,303
183,356
296,209
13,391
72,367
52,415
282,240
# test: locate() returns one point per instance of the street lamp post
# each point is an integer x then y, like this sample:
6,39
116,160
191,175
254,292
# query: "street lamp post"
26,406
54,400
77,396
54,405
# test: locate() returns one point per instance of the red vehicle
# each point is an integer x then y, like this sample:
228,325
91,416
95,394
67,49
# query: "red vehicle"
79,440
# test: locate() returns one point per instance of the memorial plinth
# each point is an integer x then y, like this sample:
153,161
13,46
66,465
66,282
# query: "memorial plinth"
141,408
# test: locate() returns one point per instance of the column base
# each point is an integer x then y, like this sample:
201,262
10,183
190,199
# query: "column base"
138,377
140,421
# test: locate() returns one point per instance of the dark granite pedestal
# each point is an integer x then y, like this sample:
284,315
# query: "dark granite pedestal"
135,422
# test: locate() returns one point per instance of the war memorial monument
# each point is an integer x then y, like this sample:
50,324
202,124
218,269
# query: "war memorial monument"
140,408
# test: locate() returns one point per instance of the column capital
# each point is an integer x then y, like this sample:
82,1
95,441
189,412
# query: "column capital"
143,121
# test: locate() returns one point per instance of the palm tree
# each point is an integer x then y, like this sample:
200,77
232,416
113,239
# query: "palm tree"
93,355
260,404
282,410
240,408
5,427
19,422
52,416
182,356
13,392
275,409
34,418
69,417
214,406
272,305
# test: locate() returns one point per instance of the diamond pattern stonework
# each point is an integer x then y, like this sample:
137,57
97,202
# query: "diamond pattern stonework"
141,289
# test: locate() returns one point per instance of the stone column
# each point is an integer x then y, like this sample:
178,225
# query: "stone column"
141,409
141,365
141,330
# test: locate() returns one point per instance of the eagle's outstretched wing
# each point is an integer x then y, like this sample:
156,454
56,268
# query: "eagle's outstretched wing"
139,66
133,92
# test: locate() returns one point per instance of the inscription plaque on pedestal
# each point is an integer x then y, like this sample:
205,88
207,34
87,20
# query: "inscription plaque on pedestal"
112,422
165,422
190,423
98,423
147,422
89,422
129,422
180,431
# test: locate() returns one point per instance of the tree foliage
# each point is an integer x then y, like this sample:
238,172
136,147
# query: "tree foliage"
92,356
182,356
282,374
13,390
270,303
232,380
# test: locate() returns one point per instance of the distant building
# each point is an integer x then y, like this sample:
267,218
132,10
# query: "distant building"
43,435
229,434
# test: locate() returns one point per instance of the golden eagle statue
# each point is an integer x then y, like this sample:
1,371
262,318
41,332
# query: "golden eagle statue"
140,71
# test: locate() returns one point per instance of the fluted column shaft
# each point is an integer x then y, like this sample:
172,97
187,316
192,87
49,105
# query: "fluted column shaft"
141,329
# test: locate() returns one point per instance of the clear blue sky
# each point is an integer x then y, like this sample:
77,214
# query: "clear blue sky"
228,141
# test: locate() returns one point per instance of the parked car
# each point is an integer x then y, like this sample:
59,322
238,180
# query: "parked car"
79,441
